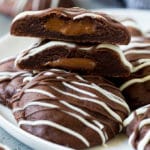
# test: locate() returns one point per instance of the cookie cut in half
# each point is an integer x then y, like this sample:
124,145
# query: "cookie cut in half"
102,59
70,24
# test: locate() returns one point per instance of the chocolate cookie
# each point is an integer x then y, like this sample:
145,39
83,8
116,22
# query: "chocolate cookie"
136,88
132,27
70,110
138,128
70,24
10,80
13,7
103,59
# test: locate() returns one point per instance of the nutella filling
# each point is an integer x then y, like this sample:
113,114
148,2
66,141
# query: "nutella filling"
70,27
73,63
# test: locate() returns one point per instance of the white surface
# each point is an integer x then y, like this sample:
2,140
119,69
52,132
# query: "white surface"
10,46
141,16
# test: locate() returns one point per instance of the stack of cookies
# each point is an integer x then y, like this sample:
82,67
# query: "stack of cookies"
73,39
61,93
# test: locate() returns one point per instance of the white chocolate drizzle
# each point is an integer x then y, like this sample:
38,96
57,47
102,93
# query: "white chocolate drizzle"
27,13
95,128
141,66
145,122
78,13
102,104
140,51
27,79
142,144
134,81
40,92
137,52
74,108
109,95
134,45
139,111
52,106
143,60
57,126
11,75
70,108
51,44
39,49
35,5
118,50
91,15
78,90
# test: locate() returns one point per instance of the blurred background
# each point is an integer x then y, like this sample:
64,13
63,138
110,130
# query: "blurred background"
10,8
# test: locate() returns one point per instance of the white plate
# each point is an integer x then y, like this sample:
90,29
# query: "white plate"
10,46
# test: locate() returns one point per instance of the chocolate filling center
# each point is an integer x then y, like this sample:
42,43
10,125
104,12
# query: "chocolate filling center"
70,27
73,63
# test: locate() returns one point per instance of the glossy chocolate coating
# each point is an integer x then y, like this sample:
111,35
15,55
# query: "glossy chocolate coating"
102,59
11,79
70,24
70,110
138,128
136,88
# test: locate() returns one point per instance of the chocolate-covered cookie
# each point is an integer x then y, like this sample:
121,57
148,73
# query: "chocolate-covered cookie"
70,24
136,88
13,7
67,109
103,59
11,79
138,128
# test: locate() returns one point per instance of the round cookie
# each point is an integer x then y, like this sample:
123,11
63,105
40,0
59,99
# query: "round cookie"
75,24
136,88
10,80
138,128
81,58
70,110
